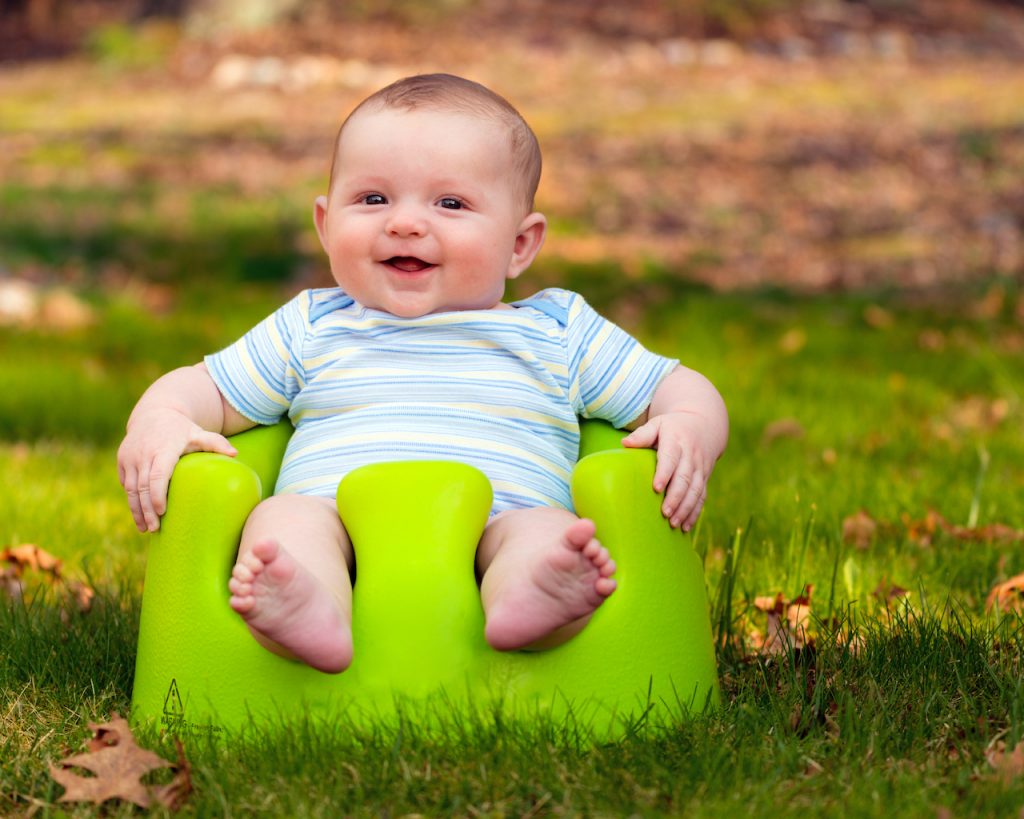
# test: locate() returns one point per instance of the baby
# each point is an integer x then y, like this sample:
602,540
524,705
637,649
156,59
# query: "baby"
415,356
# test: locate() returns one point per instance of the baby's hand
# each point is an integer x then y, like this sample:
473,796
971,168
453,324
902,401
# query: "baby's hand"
684,463
154,443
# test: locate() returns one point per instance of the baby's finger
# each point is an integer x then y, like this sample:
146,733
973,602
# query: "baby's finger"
691,520
150,516
691,501
159,479
213,442
642,436
130,481
669,464
677,483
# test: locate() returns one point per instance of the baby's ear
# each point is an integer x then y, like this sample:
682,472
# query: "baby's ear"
320,219
529,239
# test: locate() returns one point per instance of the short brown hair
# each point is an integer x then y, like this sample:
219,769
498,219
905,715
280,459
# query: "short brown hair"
446,92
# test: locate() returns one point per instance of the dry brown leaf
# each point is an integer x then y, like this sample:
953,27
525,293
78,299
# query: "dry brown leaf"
979,413
15,560
175,792
81,594
118,765
783,428
30,556
887,591
793,340
773,604
798,615
996,532
932,340
877,317
786,623
10,583
1008,765
923,531
63,310
776,639
1007,596
859,529
991,304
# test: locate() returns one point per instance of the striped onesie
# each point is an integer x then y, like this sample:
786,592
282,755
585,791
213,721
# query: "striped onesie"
498,389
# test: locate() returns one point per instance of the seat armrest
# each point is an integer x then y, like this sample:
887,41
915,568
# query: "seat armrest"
262,450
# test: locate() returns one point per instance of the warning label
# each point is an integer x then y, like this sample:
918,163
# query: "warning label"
172,702
173,718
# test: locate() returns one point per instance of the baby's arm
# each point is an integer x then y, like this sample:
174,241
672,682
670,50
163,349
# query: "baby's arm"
183,411
688,425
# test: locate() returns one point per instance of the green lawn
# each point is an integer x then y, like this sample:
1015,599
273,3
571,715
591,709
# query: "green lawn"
893,413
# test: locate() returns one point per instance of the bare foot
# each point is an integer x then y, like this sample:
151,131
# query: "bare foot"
284,604
569,582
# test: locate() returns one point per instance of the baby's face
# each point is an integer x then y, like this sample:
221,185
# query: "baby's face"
424,215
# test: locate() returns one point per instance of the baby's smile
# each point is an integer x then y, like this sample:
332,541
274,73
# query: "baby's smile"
408,264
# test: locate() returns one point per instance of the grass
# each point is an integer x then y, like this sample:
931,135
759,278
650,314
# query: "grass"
886,403
901,725
898,712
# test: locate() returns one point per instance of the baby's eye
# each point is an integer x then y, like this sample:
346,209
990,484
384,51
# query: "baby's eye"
374,199
451,203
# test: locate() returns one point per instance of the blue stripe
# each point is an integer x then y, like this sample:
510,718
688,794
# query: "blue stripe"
469,378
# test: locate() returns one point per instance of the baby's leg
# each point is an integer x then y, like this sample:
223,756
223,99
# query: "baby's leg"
543,575
291,582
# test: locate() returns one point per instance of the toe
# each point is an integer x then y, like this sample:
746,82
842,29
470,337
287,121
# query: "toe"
266,550
580,533
604,586
242,573
252,563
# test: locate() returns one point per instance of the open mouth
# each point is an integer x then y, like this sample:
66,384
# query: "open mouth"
408,264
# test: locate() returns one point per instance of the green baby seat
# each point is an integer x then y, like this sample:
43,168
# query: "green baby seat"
418,626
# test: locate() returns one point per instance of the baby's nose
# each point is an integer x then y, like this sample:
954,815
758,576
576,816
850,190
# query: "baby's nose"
406,221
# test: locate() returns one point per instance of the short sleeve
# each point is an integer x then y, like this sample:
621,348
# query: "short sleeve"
612,376
260,374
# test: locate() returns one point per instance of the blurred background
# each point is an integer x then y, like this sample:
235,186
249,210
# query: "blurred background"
813,145
818,203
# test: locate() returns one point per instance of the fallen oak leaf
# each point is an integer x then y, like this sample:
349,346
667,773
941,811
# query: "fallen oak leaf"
798,615
776,639
1008,765
1007,596
10,583
117,762
767,603
993,532
786,623
887,592
877,317
859,529
81,593
782,428
922,532
175,792
30,556
793,341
